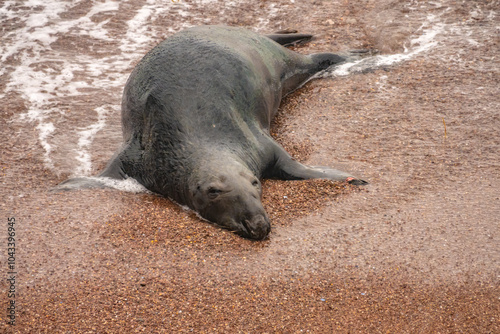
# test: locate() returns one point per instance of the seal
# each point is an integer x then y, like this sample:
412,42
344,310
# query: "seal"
196,113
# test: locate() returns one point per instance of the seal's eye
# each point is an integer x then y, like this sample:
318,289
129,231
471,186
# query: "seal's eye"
255,183
213,192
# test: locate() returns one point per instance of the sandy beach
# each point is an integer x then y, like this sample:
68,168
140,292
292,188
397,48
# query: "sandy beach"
415,251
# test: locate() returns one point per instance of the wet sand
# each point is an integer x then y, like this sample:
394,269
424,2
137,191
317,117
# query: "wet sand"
415,251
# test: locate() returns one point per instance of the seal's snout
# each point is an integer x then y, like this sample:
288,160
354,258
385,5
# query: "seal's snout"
258,227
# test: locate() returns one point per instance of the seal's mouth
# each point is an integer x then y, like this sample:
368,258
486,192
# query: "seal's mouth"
257,228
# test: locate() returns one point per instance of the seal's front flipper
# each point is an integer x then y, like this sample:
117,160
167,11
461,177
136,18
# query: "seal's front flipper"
113,171
285,168
287,39
80,183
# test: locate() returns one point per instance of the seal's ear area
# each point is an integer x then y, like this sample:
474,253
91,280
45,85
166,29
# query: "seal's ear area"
287,39
199,201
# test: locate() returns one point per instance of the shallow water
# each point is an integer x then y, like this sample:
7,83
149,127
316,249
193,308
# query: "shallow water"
61,82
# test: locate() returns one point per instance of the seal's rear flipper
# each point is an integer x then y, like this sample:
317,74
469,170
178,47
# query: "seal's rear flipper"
286,39
321,61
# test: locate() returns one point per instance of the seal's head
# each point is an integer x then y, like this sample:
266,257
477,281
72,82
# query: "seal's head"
230,196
